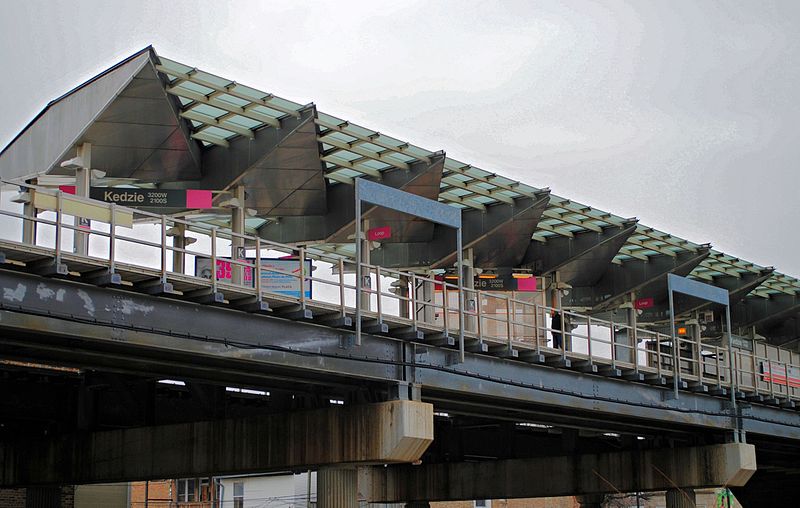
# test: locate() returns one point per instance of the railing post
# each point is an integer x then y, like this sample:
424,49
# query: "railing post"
257,269
214,259
59,232
302,277
479,315
378,293
112,239
341,288
163,249
445,308
589,337
613,337
509,327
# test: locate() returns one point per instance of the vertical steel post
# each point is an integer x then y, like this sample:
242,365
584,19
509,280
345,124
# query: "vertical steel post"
730,356
257,269
675,358
358,265
83,176
460,294
112,239
237,236
29,223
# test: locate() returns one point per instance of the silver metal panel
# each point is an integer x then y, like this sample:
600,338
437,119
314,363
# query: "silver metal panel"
401,201
697,289
54,133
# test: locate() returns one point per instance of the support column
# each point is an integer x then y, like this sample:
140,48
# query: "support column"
366,274
82,183
625,350
337,487
29,224
403,292
425,292
471,302
179,242
681,498
237,227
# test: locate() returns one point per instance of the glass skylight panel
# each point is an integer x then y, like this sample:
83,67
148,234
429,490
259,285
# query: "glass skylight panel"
235,101
268,111
218,132
208,110
255,95
281,102
245,122
211,79
172,64
194,87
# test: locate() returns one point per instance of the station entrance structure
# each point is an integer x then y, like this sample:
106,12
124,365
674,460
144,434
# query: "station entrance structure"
264,186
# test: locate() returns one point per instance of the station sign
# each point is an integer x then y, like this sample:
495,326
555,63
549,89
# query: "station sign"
153,198
277,275
381,233
500,283
644,303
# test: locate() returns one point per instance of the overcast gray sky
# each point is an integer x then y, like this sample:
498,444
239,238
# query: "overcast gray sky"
682,113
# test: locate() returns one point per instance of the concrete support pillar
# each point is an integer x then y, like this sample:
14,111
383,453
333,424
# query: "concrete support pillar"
337,487
237,227
82,184
681,498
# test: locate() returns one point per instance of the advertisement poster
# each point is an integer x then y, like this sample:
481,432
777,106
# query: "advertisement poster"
279,276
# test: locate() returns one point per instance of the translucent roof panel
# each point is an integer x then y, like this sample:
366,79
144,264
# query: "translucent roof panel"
211,103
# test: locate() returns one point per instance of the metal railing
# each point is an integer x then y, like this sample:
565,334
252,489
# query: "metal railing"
152,248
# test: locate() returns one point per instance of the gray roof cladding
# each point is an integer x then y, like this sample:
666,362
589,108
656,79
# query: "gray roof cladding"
218,109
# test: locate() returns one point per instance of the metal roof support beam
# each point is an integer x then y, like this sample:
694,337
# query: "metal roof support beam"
498,238
737,288
380,157
339,222
229,89
619,280
373,139
765,312
225,106
582,259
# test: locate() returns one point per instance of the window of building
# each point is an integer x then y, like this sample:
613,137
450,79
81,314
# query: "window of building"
238,494
483,503
187,490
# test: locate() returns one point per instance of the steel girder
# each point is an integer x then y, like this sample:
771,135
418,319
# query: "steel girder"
580,260
118,330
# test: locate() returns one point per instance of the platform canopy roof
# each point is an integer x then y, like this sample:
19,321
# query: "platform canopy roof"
217,111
